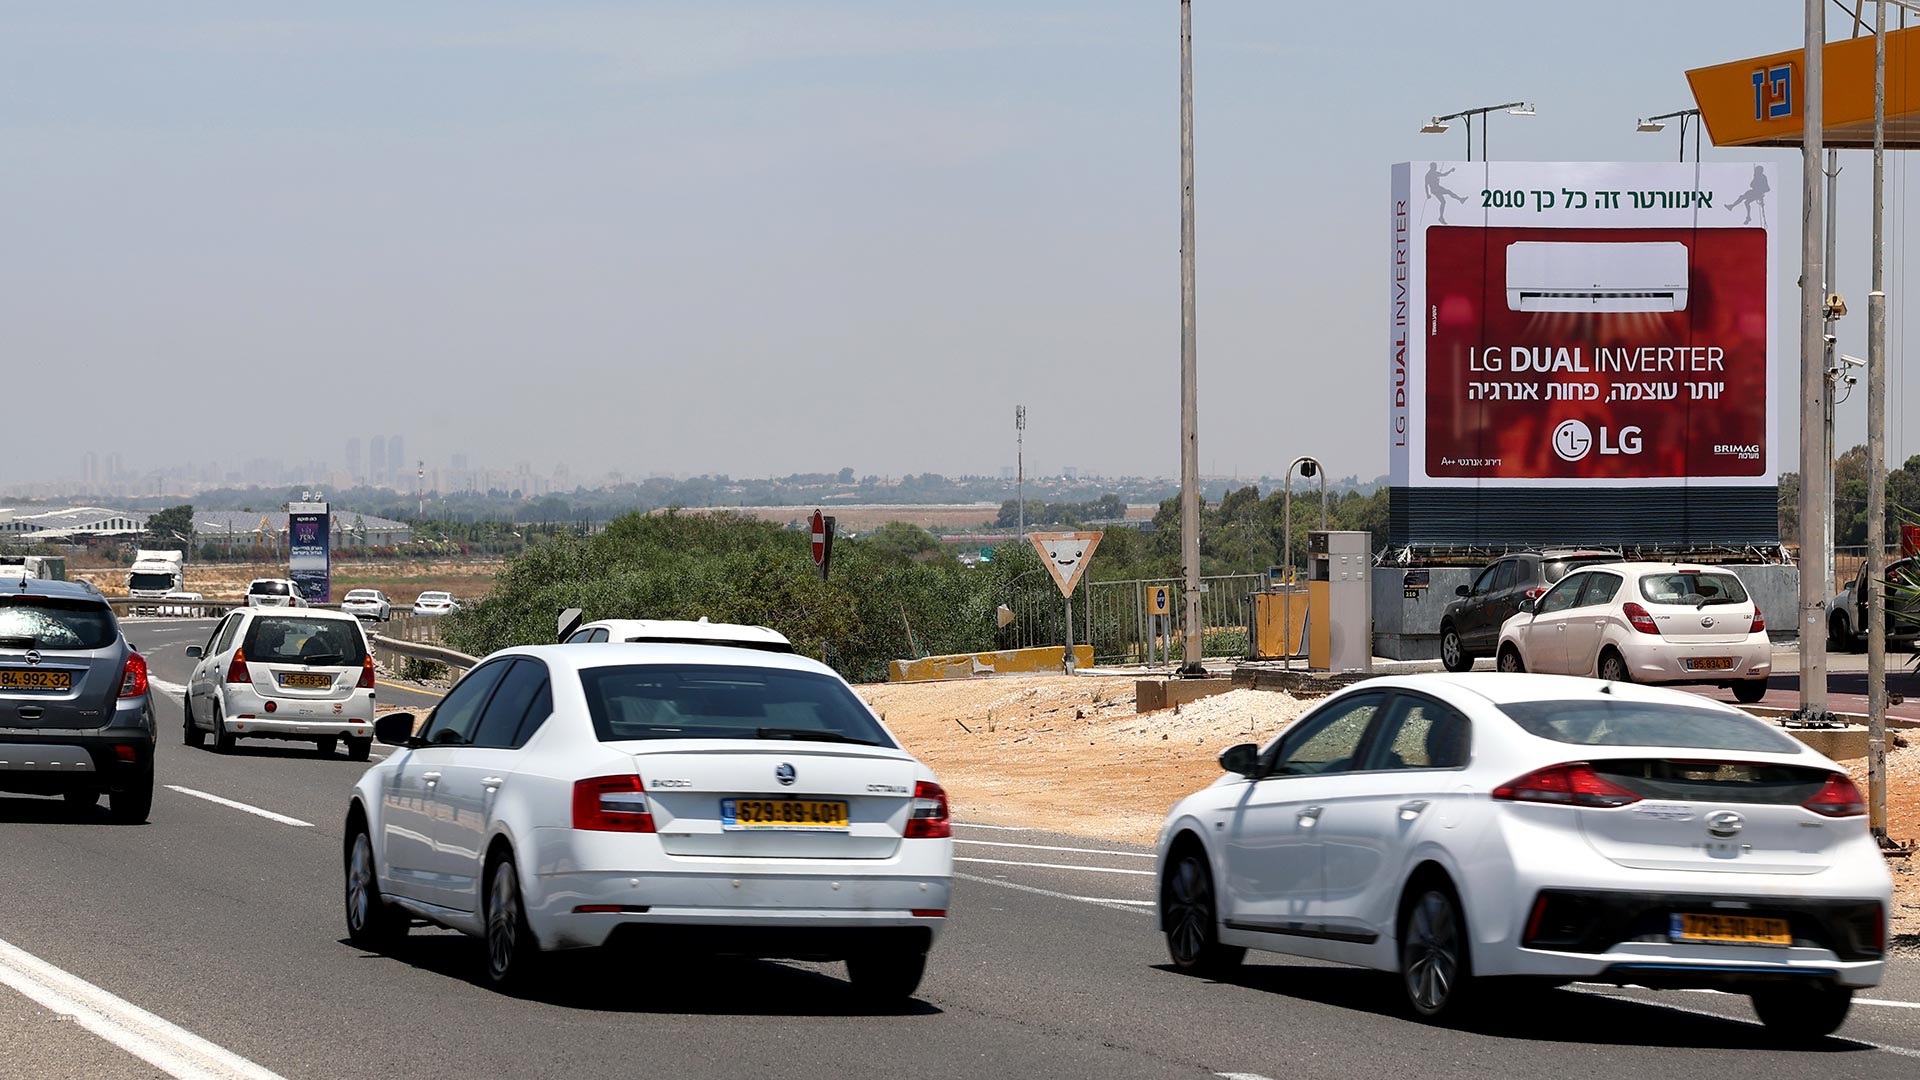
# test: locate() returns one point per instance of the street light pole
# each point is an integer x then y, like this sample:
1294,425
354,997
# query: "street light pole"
1439,124
1020,464
1652,124
1814,573
1189,396
1877,454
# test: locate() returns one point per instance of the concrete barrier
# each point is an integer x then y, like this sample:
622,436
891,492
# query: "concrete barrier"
1040,661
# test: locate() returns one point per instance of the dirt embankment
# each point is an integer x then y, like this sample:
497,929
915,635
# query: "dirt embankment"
1070,754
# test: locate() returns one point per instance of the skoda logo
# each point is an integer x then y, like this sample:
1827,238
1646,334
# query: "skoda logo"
785,774
1724,823
1706,621
33,656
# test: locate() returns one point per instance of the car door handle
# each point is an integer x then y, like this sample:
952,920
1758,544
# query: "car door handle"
1310,815
1411,809
430,777
491,782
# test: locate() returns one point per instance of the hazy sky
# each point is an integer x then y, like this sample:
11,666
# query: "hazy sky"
772,237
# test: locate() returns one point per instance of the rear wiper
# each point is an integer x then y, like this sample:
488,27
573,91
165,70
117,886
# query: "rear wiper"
321,658
810,735
1719,600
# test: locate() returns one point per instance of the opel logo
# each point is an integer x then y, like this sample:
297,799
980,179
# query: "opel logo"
1706,620
33,656
785,774
1724,823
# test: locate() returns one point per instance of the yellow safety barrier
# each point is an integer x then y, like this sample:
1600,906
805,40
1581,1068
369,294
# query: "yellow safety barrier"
1039,661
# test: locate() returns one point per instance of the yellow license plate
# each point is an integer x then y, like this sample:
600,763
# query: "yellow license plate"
21,679
304,681
1710,663
739,814
1731,930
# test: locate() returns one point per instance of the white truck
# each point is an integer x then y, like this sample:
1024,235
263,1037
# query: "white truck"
155,574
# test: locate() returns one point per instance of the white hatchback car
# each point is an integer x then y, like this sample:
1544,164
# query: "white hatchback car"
672,796
1464,829
1668,623
268,673
368,604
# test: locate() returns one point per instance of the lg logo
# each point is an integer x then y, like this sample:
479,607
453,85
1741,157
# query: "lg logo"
1574,440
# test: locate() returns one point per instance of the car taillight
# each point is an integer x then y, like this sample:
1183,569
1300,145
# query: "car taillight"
1573,784
366,673
1838,797
1639,618
1759,621
133,677
611,804
928,820
237,670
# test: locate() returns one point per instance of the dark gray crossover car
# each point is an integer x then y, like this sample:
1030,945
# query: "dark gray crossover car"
74,714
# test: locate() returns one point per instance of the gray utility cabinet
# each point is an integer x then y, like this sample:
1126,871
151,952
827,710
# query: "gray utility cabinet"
1341,637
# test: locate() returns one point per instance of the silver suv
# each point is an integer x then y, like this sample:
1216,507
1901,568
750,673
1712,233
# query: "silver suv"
74,715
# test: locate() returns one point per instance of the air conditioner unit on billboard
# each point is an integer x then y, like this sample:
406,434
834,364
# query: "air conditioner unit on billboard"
1596,277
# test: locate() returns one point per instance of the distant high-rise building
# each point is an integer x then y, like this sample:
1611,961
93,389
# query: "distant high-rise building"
353,459
459,462
90,469
377,461
399,474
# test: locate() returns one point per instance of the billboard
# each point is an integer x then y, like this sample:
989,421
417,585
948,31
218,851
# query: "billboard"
1606,328
309,550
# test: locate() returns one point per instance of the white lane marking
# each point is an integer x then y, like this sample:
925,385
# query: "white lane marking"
1050,847
1240,1076
1723,993
166,1046
1903,1051
1884,1003
169,687
1000,828
268,814
1056,866
1133,906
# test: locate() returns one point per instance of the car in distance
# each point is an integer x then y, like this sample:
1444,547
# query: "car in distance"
368,604
435,603
74,700
1470,625
682,632
698,798
1668,623
304,676
274,592
1847,625
1483,831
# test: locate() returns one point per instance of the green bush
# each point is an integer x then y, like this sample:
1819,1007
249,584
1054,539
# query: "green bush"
414,669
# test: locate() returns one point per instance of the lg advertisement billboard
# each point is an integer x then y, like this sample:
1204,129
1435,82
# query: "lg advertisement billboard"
1582,353
309,550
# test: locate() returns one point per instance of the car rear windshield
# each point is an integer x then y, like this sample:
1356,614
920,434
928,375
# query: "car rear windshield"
1613,722
702,701
303,639
55,622
362,594
1556,568
435,597
147,580
1696,588
268,588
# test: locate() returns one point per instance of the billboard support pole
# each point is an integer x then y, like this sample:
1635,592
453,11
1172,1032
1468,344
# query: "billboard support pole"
1814,573
1877,454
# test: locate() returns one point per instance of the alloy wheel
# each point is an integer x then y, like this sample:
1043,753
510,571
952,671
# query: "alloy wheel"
1431,955
503,920
1510,662
360,884
1190,915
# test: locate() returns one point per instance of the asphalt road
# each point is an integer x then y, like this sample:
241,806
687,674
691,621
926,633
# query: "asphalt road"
211,938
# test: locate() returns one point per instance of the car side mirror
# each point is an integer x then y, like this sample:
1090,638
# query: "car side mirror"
1243,759
1528,605
195,652
394,729
1464,590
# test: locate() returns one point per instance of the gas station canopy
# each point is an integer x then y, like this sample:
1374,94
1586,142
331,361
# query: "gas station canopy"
1759,102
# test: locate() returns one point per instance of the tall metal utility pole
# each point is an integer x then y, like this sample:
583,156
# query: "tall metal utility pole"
1020,463
1877,454
1189,396
1814,572
1832,355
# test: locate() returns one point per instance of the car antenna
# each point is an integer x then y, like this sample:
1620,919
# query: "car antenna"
1606,688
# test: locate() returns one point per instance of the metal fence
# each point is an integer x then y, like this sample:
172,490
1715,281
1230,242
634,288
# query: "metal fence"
1112,616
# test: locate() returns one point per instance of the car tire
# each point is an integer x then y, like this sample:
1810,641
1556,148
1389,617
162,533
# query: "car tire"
1803,1013
1453,652
886,979
1193,921
514,960
1510,661
131,805
82,800
1613,667
1749,691
327,746
190,730
372,923
1436,962
359,749
1840,636
223,739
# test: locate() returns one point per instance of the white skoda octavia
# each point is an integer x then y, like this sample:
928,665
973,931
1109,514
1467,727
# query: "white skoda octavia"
676,796
1477,830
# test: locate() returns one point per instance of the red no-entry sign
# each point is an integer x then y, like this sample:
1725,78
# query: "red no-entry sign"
819,538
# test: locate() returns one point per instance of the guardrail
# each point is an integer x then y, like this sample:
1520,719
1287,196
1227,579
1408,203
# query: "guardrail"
418,650
183,609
